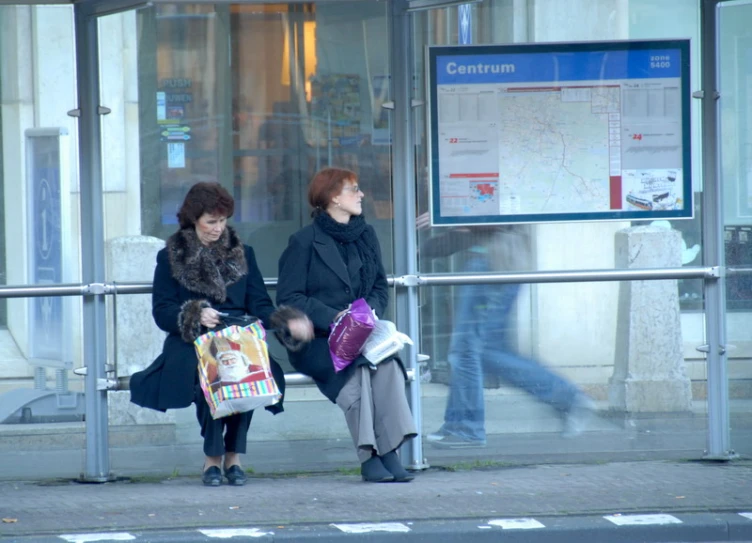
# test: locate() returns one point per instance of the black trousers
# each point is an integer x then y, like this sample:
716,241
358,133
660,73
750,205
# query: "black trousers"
227,434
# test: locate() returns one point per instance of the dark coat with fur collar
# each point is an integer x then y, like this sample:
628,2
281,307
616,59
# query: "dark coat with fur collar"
190,276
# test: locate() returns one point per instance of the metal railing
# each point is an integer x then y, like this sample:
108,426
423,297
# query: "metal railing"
405,281
408,281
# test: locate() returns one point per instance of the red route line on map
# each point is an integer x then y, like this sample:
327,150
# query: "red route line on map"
471,175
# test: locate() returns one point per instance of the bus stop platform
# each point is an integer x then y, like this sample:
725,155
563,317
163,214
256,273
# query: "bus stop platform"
461,498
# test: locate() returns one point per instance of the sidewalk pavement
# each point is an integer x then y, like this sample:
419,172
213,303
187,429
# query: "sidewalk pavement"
696,501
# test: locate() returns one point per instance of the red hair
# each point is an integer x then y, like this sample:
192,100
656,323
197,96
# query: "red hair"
325,185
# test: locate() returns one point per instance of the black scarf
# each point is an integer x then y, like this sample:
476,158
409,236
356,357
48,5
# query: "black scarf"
357,231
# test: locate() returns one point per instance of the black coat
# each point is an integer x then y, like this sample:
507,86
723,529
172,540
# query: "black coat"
313,277
187,279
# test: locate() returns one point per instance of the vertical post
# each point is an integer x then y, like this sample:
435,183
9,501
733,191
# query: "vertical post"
97,468
403,179
713,248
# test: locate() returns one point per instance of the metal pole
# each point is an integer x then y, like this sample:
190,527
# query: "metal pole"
403,175
97,468
713,248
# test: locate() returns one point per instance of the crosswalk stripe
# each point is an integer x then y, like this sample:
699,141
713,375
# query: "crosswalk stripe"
516,523
373,527
227,533
87,538
632,520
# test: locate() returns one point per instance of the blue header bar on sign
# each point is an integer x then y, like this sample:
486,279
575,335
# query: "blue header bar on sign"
558,66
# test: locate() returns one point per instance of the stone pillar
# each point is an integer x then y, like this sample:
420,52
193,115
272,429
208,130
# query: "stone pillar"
138,341
649,372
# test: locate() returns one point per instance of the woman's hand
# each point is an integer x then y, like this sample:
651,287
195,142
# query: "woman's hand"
210,317
301,329
339,315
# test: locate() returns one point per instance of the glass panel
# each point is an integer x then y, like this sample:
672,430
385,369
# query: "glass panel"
592,334
183,112
735,84
317,103
521,380
257,97
40,338
287,98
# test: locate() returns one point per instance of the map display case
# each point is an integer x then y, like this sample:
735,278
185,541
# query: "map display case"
559,132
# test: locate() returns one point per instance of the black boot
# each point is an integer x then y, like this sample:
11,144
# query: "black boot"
392,463
373,471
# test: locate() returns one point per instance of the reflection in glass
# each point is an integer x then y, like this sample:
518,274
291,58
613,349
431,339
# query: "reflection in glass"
189,117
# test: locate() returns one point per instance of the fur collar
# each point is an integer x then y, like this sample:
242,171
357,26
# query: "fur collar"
207,270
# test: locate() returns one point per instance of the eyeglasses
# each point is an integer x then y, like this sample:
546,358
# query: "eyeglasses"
352,188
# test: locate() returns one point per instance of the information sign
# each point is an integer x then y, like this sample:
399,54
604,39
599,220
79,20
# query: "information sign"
48,196
560,132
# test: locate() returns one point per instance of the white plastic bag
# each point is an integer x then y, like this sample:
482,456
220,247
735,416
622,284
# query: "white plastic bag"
384,342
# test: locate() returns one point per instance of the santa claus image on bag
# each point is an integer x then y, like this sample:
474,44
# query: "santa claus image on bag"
233,365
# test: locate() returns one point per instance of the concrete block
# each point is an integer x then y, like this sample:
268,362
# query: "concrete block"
649,369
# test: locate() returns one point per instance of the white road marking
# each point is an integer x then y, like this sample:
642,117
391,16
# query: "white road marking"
631,520
747,515
227,533
374,527
516,523
86,538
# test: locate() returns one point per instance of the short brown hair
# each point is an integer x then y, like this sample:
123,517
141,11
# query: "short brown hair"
325,185
205,197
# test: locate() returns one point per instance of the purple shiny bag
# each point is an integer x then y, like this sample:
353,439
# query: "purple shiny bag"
349,333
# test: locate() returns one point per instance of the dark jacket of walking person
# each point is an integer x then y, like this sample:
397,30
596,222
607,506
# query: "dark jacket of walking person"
203,271
326,266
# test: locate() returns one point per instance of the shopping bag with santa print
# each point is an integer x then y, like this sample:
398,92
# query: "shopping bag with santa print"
235,371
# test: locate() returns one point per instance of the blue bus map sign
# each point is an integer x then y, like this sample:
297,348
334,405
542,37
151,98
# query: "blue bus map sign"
560,132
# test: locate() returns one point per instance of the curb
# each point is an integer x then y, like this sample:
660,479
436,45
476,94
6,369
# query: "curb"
689,527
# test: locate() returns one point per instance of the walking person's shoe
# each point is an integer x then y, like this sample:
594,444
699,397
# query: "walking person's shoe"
373,471
393,464
452,441
235,475
437,436
212,476
577,417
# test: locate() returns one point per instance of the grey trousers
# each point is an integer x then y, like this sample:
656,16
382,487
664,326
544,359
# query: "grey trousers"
376,409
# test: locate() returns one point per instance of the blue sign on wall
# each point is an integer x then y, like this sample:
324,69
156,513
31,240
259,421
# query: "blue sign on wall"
47,201
465,24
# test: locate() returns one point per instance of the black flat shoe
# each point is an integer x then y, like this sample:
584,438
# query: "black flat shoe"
235,475
373,471
393,464
212,476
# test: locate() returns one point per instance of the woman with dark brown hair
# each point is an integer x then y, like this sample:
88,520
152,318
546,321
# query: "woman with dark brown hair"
326,266
206,274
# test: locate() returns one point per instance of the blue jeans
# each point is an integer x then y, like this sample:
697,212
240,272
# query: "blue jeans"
480,343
